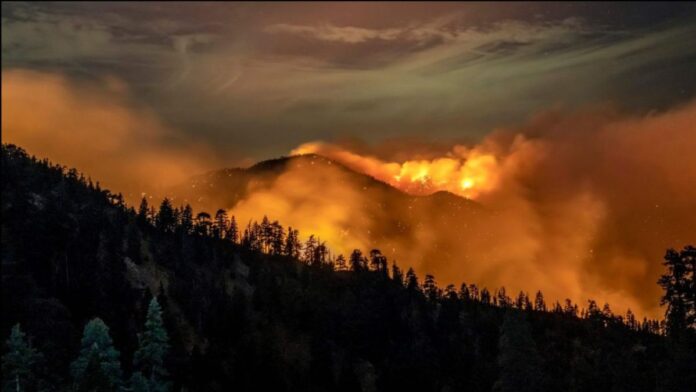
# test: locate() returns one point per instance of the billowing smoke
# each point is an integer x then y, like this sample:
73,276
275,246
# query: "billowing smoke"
317,199
463,171
95,127
580,205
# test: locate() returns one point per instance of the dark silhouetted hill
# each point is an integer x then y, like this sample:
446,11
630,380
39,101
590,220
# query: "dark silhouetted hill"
245,318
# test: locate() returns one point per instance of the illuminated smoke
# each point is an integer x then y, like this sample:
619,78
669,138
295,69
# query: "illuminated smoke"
94,127
581,205
464,172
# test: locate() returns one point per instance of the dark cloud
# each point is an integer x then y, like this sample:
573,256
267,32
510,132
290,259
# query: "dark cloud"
233,74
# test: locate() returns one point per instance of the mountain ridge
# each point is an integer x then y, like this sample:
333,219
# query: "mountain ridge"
346,208
275,166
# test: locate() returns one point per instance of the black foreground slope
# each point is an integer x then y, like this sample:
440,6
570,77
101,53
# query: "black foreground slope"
244,320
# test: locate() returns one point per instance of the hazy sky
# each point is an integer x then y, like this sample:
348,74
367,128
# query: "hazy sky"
253,81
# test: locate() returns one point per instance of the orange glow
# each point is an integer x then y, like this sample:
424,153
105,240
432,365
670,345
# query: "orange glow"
578,205
464,172
98,130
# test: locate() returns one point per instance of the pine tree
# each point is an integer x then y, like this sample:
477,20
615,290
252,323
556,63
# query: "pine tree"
397,275
94,379
527,303
143,212
569,308
502,298
187,219
357,261
340,263
97,343
246,236
464,292
451,293
519,361
539,303
264,233
521,301
165,217
149,358
430,289
607,314
232,232
631,320
310,250
412,280
292,246
485,296
321,253
474,292
255,240
277,238
680,290
18,362
377,261
220,224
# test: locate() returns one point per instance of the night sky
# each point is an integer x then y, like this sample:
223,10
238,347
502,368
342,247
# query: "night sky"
233,76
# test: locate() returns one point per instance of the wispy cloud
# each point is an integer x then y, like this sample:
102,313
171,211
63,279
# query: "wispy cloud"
446,30
414,32
348,34
231,73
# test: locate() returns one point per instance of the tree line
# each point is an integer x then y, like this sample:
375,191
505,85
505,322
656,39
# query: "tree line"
256,308
272,238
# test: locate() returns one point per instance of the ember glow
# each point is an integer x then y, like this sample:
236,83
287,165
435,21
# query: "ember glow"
463,171
582,213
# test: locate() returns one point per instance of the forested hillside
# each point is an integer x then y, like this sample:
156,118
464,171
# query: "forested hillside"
98,295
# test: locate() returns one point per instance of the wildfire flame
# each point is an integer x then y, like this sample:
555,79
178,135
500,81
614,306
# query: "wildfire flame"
464,172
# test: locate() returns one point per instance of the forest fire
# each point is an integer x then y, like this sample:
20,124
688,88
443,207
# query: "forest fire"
572,196
465,172
348,196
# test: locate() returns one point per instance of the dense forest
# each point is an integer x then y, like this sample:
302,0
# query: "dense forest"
101,296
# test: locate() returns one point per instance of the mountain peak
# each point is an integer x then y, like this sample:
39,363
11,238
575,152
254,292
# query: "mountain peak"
225,187
288,161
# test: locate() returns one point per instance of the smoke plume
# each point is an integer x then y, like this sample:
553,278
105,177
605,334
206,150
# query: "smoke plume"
579,205
95,127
